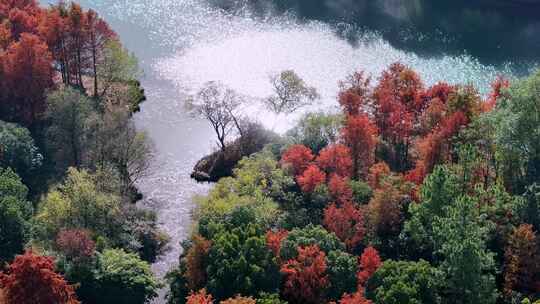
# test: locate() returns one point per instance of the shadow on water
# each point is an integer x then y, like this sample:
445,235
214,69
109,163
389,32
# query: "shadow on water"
493,31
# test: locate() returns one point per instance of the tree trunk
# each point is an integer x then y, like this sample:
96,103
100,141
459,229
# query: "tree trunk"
79,68
355,163
94,64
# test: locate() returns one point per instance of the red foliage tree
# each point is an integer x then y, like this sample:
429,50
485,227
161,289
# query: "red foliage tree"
32,37
398,85
53,30
497,88
355,298
462,105
398,106
466,100
347,222
200,297
430,151
299,157
31,279
340,189
336,159
355,93
400,125
196,263
22,17
28,74
98,33
432,116
441,91
77,36
377,173
77,40
75,244
386,210
360,135
437,146
273,240
370,261
398,90
305,276
311,179
3,90
351,102
452,125
521,261
5,36
435,100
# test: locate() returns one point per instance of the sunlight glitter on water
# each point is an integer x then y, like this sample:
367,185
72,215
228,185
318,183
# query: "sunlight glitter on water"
204,43
246,60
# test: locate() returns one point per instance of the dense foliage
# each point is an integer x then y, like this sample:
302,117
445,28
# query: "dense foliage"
69,159
414,194
123,278
32,278
15,212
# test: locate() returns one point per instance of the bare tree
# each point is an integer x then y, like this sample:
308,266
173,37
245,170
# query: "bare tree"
219,105
134,153
290,93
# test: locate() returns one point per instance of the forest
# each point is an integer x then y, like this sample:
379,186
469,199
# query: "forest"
411,194
407,193
70,156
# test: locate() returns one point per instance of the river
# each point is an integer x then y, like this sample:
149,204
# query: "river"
182,44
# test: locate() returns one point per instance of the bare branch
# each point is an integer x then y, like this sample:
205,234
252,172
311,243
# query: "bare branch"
219,105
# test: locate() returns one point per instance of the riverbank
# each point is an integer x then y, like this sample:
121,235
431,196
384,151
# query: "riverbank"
221,163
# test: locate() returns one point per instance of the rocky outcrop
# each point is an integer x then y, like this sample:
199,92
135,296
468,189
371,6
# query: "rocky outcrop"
221,163
211,168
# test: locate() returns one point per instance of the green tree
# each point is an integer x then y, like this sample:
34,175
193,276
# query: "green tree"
502,212
80,202
258,182
342,269
118,66
307,236
239,262
362,192
290,93
517,132
316,130
404,282
124,278
467,265
15,212
18,150
261,173
439,190
68,113
270,298
529,212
